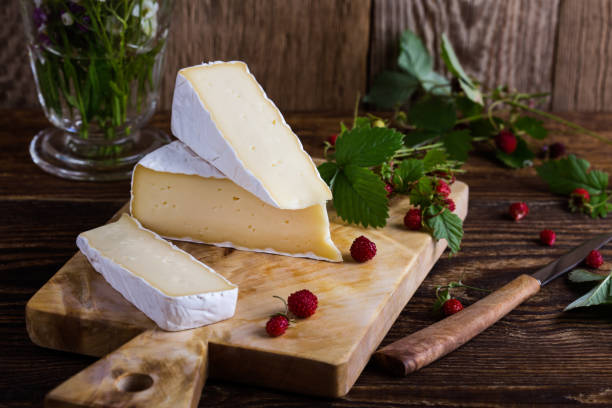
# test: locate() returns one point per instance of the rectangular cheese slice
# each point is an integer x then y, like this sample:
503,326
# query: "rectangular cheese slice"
171,287
222,113
181,196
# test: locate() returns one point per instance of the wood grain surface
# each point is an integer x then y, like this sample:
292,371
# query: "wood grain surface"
315,55
499,42
78,311
535,355
583,66
422,348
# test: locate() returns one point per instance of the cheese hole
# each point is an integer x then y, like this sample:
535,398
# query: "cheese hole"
286,221
165,203
219,189
274,122
235,198
253,148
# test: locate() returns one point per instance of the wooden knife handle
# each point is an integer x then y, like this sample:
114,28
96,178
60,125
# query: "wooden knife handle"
425,346
155,369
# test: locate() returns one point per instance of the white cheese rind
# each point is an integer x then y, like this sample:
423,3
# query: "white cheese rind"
194,125
171,313
177,159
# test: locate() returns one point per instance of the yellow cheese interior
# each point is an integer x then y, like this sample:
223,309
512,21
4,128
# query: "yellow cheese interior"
215,210
168,269
255,129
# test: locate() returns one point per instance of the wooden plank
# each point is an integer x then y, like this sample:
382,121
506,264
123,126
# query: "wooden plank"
583,66
78,311
498,42
309,55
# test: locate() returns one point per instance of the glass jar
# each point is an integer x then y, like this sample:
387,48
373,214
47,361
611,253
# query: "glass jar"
97,65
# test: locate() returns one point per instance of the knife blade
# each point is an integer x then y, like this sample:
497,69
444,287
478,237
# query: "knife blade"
427,345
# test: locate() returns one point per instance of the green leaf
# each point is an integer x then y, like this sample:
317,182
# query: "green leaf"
327,171
420,195
434,158
408,171
521,157
362,122
468,107
433,113
582,275
419,136
600,294
565,175
360,197
391,89
443,296
445,225
484,127
454,66
367,147
413,56
458,144
599,205
435,83
532,126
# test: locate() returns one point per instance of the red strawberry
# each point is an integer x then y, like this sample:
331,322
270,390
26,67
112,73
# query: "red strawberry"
578,199
389,189
450,204
412,219
594,259
452,306
277,325
303,303
442,188
518,211
548,237
332,139
506,141
363,249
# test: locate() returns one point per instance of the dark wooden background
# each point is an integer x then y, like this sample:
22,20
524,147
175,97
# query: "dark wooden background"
315,55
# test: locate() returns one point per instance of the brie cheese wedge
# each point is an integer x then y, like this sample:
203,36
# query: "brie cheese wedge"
170,286
181,196
222,113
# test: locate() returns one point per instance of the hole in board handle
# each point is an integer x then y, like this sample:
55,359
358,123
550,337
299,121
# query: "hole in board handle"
134,382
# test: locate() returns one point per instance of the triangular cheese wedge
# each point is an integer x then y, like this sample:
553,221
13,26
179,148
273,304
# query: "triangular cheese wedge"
181,196
222,113
171,287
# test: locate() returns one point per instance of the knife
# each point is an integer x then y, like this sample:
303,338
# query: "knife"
426,346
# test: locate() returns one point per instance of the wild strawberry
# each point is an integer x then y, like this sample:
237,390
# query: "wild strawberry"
506,141
579,198
518,211
332,139
442,188
452,306
412,219
302,303
389,189
556,150
363,249
548,237
277,325
445,175
450,204
594,259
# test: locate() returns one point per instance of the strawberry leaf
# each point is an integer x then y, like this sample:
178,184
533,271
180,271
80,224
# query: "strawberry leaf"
391,89
458,144
445,225
367,147
599,295
565,175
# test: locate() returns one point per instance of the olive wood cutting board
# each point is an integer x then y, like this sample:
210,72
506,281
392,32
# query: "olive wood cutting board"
145,366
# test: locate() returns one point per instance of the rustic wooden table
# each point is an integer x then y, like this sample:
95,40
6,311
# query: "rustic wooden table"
535,355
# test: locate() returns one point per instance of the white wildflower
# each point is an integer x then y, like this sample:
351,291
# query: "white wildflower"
148,16
67,19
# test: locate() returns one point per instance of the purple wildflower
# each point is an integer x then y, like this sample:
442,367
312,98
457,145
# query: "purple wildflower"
40,17
85,24
75,8
44,39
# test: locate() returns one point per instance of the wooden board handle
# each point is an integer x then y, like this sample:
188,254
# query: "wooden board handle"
155,369
425,346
